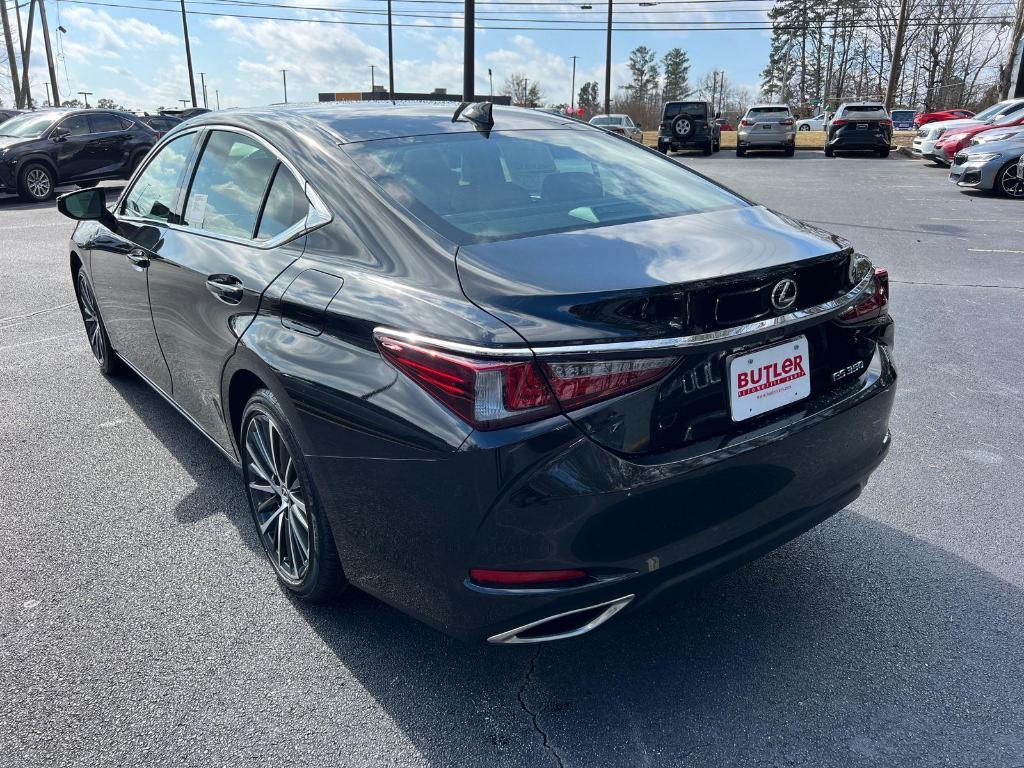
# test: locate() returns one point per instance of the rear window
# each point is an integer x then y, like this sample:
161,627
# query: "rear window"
674,108
860,109
101,123
769,111
903,115
471,188
606,121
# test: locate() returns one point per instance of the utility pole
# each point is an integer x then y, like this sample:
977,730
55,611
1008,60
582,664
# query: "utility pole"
572,91
526,91
373,83
26,54
490,83
217,93
15,81
85,95
284,80
608,66
188,55
469,50
49,52
184,103
896,65
391,58
202,79
48,99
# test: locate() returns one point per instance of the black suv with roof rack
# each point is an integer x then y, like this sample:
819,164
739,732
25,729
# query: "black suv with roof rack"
42,150
688,125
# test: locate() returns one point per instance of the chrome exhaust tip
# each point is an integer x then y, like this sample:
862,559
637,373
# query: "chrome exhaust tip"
562,626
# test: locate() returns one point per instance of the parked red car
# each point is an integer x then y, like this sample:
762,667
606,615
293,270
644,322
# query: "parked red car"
946,114
724,124
956,139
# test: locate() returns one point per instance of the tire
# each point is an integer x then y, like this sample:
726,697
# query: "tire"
883,153
285,505
662,149
110,364
681,127
717,147
829,152
36,183
709,147
804,128
741,151
1008,183
790,151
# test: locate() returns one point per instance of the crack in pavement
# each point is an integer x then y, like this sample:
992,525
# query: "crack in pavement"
534,716
958,285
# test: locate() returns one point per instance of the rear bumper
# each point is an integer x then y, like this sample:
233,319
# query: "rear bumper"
766,139
673,144
409,531
849,140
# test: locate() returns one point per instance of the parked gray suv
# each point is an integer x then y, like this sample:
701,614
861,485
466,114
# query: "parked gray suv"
767,126
688,125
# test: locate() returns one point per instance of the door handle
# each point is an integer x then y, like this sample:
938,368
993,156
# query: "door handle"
138,257
227,288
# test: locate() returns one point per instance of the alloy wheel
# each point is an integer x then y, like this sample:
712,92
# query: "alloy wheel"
278,500
1012,183
91,318
37,181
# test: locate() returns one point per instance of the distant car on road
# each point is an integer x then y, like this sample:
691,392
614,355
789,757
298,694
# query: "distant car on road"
42,150
816,123
688,125
620,124
860,126
159,124
767,126
903,119
998,166
942,115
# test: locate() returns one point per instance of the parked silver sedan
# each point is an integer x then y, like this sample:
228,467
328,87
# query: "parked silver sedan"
995,166
620,124
767,126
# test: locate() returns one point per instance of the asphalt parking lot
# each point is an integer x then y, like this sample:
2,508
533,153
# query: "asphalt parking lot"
140,625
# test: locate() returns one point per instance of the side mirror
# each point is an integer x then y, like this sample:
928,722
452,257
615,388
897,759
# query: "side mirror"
87,205
59,134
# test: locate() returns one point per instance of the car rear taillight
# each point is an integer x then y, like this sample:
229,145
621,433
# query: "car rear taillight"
747,123
839,121
490,394
786,121
663,125
885,121
875,305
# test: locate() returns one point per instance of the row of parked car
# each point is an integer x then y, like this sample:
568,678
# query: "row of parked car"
43,149
982,152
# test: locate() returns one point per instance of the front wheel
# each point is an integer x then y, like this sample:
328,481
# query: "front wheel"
285,505
790,151
829,152
110,364
36,183
804,128
883,152
1009,181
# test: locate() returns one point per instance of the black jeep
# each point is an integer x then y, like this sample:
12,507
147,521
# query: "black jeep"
688,125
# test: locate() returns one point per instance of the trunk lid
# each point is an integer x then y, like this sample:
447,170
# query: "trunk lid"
662,279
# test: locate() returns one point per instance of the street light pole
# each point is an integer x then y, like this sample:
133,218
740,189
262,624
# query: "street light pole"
490,83
202,79
391,58
284,80
468,52
608,65
217,94
188,55
85,95
373,83
572,91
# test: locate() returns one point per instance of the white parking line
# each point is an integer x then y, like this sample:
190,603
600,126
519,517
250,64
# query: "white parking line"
947,218
992,250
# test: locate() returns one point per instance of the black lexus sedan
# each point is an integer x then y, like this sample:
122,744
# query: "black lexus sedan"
506,371
42,150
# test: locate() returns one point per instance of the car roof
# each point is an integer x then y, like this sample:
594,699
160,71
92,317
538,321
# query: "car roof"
354,121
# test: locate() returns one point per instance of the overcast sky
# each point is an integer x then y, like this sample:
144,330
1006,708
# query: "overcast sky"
137,57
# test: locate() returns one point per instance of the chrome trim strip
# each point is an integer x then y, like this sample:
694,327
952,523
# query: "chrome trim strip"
611,608
173,403
643,345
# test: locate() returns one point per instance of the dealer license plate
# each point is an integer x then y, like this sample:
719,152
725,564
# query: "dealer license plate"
769,378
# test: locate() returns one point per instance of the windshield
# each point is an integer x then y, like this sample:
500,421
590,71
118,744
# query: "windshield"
994,111
471,188
28,126
903,115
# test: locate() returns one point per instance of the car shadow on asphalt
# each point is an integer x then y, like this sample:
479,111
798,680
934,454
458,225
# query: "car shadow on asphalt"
855,644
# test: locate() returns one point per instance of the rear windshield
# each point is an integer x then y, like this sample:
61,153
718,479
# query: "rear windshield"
856,109
903,115
769,111
674,108
606,120
472,188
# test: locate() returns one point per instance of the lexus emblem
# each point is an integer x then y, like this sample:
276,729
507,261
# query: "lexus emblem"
784,294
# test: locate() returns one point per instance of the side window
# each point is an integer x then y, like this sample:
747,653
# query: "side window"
78,125
286,205
104,123
152,197
229,184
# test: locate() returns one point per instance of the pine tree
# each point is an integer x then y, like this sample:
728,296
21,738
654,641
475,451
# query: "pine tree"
643,66
588,98
676,65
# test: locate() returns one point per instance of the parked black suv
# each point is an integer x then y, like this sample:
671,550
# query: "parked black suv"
42,150
688,125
